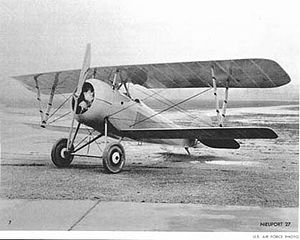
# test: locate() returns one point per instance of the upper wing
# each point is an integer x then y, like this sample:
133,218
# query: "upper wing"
67,81
241,73
215,133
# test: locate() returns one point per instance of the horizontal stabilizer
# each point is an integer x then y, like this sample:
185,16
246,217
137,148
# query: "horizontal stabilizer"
214,133
217,143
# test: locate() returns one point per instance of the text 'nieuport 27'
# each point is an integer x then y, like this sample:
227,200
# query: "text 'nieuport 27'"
100,99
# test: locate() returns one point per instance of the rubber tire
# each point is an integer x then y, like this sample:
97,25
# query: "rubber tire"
108,164
56,157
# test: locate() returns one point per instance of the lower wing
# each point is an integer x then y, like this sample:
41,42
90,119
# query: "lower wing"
216,133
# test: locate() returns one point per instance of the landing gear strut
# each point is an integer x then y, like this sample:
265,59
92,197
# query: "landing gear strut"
113,157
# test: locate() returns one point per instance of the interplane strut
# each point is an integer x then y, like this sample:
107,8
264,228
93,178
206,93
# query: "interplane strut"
45,115
220,117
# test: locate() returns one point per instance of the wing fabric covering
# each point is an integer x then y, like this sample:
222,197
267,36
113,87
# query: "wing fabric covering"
241,73
67,81
205,134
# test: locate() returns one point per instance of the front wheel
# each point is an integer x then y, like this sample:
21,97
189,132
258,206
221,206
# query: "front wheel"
59,154
113,158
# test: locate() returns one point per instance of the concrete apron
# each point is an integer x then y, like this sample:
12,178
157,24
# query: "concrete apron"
128,216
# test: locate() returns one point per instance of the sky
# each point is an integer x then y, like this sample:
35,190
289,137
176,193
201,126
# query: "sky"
51,35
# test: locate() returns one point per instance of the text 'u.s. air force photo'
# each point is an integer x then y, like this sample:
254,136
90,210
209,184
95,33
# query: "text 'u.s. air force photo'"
149,119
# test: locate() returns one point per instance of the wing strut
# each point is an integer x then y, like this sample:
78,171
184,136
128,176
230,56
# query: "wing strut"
220,117
114,84
215,92
38,97
45,116
225,102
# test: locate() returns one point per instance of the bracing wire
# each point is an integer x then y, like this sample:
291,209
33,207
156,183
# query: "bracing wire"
131,105
60,117
185,100
60,106
85,137
177,107
130,120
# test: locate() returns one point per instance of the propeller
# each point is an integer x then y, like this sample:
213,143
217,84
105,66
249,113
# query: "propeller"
82,77
84,70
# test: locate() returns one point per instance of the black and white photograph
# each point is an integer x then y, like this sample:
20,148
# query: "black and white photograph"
127,119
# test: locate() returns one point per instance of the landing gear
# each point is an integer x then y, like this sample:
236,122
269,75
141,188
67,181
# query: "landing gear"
113,157
63,150
60,156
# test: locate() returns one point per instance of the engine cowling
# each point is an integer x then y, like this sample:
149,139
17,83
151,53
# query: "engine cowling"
97,101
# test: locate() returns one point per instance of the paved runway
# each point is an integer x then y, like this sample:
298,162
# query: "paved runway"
128,216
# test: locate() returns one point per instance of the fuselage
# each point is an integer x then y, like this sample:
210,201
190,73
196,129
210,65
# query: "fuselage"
123,112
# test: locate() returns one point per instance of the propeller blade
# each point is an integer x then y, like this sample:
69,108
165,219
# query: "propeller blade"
82,77
85,67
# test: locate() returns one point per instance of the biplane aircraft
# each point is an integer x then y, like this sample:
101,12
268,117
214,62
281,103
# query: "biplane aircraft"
101,100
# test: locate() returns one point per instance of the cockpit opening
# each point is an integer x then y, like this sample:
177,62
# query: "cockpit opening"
85,99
